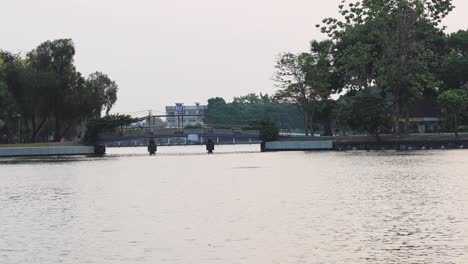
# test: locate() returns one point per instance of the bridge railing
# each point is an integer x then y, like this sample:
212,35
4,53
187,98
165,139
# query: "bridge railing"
147,132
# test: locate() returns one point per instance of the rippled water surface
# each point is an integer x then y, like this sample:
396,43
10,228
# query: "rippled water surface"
236,206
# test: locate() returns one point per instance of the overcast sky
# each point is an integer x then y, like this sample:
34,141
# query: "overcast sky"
166,51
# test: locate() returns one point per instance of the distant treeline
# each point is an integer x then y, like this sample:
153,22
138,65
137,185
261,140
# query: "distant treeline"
44,97
246,109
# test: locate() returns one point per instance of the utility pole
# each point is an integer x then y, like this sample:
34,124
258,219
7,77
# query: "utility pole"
150,114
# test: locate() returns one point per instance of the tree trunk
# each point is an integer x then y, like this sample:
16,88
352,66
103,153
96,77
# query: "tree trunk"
306,123
57,136
396,125
66,130
36,130
328,126
407,121
311,123
455,123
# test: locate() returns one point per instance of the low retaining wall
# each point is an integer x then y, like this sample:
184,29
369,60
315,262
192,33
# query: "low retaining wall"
368,143
298,145
46,151
402,145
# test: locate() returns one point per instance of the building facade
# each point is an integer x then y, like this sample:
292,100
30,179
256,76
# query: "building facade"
181,115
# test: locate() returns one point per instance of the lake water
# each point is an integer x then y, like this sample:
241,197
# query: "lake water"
236,206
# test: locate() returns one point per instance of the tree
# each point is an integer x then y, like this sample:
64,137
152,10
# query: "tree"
269,131
454,70
45,89
453,104
391,44
8,106
57,58
363,112
248,99
32,97
306,78
103,92
100,124
324,114
71,98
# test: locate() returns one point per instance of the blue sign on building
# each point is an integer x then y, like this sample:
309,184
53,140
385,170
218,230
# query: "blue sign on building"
180,109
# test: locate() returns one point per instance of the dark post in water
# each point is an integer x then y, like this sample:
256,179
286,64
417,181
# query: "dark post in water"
210,146
152,148
99,149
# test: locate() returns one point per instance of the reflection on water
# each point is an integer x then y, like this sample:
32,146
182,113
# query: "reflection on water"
236,206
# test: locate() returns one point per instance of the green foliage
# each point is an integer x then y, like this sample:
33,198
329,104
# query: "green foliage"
269,131
454,70
1,123
453,104
395,45
305,79
48,91
361,12
252,107
363,112
97,125
102,91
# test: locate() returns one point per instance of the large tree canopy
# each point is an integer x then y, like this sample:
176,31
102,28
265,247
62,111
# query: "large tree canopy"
392,52
45,90
306,79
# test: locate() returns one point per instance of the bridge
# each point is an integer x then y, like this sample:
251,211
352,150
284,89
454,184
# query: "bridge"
140,136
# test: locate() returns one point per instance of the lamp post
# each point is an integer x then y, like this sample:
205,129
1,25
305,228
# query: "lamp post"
18,140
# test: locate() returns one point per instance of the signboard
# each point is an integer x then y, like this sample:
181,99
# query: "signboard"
180,109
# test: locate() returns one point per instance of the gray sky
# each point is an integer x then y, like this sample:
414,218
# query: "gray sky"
166,51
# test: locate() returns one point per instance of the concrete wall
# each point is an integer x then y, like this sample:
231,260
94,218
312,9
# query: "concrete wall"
46,151
299,145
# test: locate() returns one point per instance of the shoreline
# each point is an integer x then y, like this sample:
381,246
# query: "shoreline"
384,142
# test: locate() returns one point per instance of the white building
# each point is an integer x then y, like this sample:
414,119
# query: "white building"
181,115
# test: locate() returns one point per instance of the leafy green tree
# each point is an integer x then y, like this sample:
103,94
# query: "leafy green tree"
324,110
57,58
8,105
269,131
306,78
31,95
290,76
453,104
109,122
45,89
363,112
248,99
102,93
394,45
71,98
454,70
